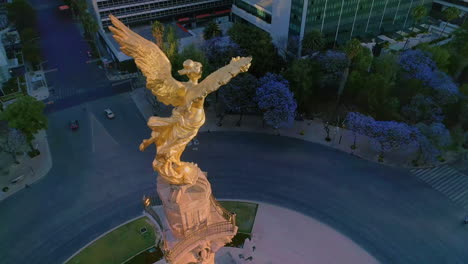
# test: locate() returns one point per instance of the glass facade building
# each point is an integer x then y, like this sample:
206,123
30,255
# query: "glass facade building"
141,11
342,20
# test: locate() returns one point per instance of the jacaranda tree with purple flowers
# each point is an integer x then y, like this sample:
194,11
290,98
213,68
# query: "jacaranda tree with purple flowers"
391,135
276,101
333,64
220,50
437,133
385,135
445,91
357,122
417,64
238,95
431,139
422,109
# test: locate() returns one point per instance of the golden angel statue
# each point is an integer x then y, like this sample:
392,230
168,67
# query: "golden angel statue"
172,134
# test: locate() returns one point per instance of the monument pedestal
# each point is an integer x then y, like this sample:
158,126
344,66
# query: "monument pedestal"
195,225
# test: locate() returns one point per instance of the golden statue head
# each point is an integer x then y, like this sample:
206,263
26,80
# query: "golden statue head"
192,69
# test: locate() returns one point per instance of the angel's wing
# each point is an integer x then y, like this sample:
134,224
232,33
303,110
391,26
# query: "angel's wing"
152,62
219,78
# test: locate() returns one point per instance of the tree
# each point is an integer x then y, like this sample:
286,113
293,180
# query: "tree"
157,30
356,122
439,54
418,13
258,44
238,95
32,52
450,14
422,109
304,76
437,135
352,48
276,101
193,53
21,14
80,6
372,93
220,50
172,44
387,66
333,67
458,43
11,141
212,30
26,115
385,135
363,60
28,34
313,41
391,135
444,90
417,64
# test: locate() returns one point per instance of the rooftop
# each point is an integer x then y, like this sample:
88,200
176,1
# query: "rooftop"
265,4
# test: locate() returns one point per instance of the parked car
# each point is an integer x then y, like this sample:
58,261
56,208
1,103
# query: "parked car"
109,113
74,124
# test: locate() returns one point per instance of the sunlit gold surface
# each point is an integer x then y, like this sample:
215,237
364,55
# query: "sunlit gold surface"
172,134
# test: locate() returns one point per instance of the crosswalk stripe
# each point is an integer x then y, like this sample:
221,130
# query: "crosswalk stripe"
435,182
447,181
439,175
451,184
457,186
431,174
463,194
444,177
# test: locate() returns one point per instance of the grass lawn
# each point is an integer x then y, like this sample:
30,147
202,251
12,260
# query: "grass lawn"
245,214
10,97
118,245
147,257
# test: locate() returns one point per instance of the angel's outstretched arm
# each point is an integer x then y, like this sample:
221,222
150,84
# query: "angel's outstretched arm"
219,78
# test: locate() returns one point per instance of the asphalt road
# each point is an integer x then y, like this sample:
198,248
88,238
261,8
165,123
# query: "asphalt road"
72,77
99,177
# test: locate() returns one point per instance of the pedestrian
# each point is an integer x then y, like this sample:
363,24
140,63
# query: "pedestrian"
466,220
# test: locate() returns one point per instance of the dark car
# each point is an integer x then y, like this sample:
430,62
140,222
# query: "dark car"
74,125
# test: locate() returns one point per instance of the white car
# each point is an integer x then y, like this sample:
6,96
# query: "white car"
109,113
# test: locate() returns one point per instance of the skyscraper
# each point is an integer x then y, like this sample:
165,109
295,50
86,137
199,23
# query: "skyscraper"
338,20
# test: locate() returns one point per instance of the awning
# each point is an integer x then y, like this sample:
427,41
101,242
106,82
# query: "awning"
64,7
222,12
202,16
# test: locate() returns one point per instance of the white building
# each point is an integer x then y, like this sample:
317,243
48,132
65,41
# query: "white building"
268,15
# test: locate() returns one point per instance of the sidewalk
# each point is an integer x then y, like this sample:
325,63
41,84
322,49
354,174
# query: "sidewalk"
36,85
29,170
281,236
308,130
